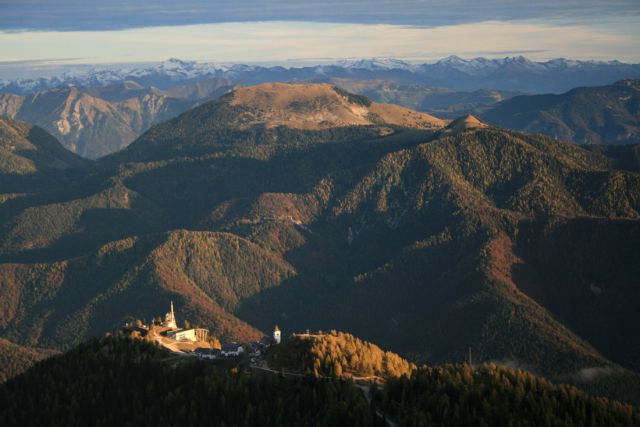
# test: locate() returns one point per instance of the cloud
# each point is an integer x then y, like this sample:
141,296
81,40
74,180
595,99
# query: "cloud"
597,373
281,41
100,15
39,61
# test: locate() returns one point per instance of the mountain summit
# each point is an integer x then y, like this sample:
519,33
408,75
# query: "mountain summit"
465,123
318,106
282,113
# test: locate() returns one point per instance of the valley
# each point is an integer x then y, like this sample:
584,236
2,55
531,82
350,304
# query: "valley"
322,214
310,207
398,227
100,111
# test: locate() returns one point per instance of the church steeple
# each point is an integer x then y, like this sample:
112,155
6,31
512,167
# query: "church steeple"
276,335
170,319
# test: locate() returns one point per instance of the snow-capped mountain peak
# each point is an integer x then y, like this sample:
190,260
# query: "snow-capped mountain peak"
512,73
376,64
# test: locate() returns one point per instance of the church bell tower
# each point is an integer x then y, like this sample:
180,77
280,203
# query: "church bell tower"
170,319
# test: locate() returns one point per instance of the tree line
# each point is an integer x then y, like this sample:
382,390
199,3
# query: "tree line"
458,395
130,382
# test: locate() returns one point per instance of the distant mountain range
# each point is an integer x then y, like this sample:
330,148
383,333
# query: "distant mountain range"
311,207
27,150
512,74
95,121
99,120
442,102
99,112
586,115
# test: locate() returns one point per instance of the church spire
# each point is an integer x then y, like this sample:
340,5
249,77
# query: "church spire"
170,319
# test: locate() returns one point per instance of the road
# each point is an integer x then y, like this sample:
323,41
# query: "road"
365,388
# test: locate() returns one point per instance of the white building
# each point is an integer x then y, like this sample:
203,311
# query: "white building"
232,350
193,334
182,335
276,335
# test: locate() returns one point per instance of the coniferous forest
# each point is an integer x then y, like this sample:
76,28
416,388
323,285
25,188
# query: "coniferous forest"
131,382
115,381
458,395
323,213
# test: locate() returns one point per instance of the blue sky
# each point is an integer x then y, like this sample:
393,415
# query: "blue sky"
278,31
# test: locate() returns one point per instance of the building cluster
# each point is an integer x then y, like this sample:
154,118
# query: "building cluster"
171,333
254,350
179,334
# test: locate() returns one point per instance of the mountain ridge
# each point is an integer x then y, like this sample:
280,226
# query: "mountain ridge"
585,115
89,125
510,73
406,238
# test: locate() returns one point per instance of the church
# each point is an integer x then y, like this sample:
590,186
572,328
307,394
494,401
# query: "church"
178,334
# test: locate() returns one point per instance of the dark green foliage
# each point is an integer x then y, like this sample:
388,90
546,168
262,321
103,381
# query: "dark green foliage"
15,359
132,383
586,286
457,395
415,240
115,381
625,157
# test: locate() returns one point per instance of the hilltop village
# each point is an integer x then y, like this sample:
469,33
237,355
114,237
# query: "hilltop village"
197,341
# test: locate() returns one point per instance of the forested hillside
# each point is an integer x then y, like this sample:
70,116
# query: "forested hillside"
425,240
337,354
15,359
120,382
607,115
492,396
131,382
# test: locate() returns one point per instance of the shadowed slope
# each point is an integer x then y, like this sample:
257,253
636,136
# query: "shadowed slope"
411,239
591,115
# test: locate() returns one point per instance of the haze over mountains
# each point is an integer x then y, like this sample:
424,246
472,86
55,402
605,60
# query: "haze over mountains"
310,207
511,73
96,121
99,112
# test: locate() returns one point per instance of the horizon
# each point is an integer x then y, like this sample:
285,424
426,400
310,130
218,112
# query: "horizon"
280,31
47,69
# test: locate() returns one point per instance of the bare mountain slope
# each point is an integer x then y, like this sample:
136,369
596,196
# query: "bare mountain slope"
318,106
96,121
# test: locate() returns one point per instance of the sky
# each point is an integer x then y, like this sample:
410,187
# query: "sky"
313,31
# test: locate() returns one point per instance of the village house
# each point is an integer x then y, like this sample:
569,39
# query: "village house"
207,353
232,350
